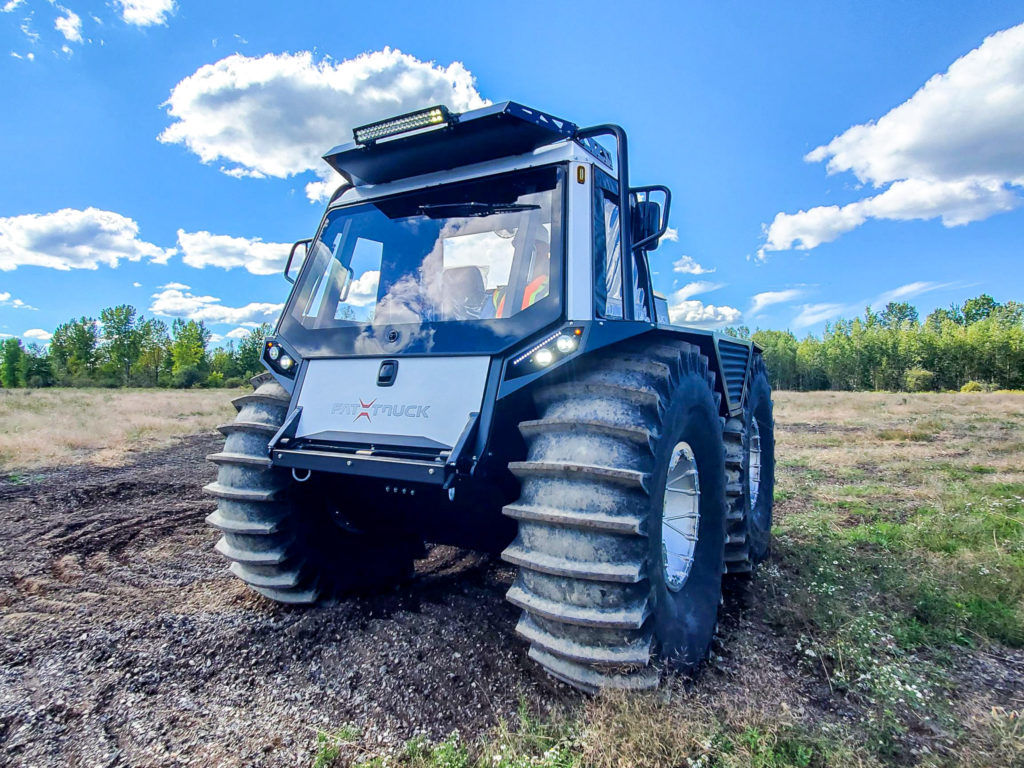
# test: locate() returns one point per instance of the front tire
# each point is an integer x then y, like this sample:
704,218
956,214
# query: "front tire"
280,538
599,602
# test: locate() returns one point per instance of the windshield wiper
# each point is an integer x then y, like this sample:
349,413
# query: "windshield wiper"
447,210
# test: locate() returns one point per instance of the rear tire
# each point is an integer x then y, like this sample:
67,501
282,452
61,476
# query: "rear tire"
281,542
750,462
592,582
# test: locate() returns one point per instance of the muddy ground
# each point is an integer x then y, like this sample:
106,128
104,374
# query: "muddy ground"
124,641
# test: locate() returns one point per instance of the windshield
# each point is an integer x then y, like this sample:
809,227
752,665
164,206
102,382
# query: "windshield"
476,250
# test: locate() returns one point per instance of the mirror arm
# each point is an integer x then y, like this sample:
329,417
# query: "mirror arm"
291,255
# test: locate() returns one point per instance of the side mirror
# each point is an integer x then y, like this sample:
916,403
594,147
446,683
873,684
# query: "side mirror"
291,255
650,221
646,221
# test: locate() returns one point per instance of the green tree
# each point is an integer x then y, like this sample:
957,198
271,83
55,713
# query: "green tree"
73,348
154,351
34,369
979,308
899,313
250,351
123,343
10,363
189,340
780,355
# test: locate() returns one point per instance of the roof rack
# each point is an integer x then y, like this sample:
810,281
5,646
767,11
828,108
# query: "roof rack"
435,139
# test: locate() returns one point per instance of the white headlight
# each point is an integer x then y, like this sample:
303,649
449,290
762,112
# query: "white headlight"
274,352
543,357
286,362
566,344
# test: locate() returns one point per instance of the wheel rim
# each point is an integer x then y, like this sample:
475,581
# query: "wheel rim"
680,516
754,465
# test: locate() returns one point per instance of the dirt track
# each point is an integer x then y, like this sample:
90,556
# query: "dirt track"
124,641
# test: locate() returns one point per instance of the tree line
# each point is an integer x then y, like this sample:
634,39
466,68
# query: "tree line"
124,349
978,345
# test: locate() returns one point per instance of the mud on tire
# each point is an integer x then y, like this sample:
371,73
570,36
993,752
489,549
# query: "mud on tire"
281,541
591,580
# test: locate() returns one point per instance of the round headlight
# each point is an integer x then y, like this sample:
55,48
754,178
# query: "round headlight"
286,362
566,344
274,353
544,357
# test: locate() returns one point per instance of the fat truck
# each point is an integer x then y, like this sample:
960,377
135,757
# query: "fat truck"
472,354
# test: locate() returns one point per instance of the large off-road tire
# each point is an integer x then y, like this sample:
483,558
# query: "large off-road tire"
281,538
750,462
592,582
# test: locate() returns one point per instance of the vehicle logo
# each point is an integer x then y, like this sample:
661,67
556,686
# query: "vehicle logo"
365,410
373,409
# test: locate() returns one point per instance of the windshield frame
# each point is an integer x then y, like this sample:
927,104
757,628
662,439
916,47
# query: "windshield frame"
478,336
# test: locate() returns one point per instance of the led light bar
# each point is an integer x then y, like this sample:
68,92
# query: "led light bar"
413,121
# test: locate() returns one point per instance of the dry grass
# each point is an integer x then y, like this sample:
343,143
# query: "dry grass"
55,427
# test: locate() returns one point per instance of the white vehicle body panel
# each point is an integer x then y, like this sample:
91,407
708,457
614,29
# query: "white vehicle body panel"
432,397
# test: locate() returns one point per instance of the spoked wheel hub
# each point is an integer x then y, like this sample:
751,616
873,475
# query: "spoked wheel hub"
680,516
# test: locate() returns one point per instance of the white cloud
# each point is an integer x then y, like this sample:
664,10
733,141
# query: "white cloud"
701,315
760,301
908,291
69,25
276,115
74,239
202,249
177,300
136,285
7,301
695,288
10,5
684,310
811,314
38,334
671,235
145,13
688,266
237,333
953,151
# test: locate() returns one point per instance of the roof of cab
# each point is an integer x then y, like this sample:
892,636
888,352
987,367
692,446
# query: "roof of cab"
499,130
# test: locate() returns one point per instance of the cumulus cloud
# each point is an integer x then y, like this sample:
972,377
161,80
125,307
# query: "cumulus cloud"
145,13
685,310
74,239
202,249
276,115
688,266
10,5
177,300
760,301
953,151
671,235
237,333
37,334
69,25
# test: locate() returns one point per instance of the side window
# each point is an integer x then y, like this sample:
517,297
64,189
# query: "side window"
607,248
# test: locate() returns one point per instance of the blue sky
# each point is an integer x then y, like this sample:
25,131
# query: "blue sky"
163,153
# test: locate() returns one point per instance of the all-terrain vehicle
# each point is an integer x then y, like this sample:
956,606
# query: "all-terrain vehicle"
473,354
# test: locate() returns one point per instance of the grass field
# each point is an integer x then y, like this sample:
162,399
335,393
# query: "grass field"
55,427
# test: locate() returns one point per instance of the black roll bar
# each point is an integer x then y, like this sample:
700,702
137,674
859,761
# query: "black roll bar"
625,211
